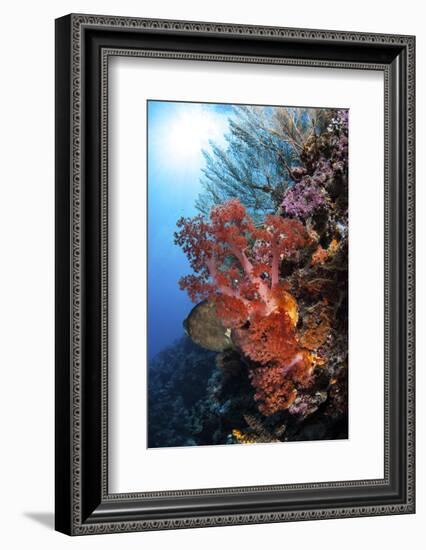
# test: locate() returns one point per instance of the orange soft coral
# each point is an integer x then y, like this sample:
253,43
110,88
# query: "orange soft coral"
316,327
319,256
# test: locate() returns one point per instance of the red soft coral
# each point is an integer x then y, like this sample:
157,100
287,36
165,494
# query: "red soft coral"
279,238
231,310
237,266
231,257
217,252
273,391
271,342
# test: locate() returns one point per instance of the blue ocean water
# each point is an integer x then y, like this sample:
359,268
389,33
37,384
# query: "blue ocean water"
177,134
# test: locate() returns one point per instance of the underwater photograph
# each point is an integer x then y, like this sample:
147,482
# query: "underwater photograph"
247,268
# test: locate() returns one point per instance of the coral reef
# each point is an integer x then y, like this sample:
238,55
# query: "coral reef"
195,399
237,268
271,299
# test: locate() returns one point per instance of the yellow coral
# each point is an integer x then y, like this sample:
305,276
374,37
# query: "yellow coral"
315,336
242,437
315,360
289,304
333,247
263,436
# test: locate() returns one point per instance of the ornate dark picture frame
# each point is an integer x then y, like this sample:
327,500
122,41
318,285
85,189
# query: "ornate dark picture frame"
84,44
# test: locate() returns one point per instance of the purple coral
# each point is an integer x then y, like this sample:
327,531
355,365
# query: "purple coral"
306,404
343,116
339,127
303,199
312,183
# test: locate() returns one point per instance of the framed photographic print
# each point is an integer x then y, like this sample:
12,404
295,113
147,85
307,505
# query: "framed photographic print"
234,274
